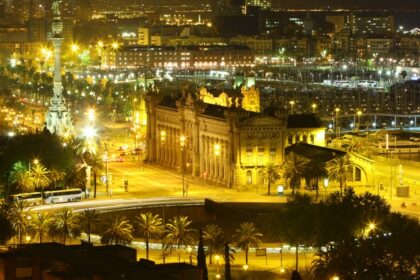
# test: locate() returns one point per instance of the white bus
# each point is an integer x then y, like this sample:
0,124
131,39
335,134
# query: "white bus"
62,196
33,198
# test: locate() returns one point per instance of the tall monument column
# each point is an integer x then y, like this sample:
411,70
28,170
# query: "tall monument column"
58,117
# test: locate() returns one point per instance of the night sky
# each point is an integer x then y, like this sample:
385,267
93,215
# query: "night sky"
348,4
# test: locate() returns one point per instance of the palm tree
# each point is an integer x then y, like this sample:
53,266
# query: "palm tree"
150,225
40,176
39,225
247,236
57,175
271,175
65,224
338,170
316,169
84,148
120,231
97,165
21,178
88,218
214,239
18,216
178,233
294,169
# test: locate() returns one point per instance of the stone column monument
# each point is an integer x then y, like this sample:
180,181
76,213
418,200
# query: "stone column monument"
58,117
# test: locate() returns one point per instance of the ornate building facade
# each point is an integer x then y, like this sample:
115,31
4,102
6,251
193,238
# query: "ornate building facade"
222,139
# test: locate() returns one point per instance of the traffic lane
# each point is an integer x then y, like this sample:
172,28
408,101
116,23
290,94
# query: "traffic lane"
113,204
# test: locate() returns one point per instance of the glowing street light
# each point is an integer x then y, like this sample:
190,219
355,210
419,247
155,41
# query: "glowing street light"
313,107
245,267
89,132
91,115
115,46
74,48
359,113
337,125
13,62
182,142
292,103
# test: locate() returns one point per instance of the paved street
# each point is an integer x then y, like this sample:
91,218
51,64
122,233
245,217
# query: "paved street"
152,181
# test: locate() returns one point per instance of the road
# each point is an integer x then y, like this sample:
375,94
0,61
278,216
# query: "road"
106,205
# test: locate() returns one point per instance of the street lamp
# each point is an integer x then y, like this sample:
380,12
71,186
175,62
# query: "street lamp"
34,161
91,114
313,108
217,258
75,48
115,46
359,113
182,143
292,103
337,125
106,159
89,132
189,249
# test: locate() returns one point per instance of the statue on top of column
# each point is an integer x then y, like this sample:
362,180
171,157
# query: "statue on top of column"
56,8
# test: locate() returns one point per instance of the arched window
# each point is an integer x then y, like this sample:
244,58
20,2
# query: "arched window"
357,174
312,138
249,177
305,139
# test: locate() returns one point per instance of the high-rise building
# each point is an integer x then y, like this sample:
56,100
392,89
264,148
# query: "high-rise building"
372,23
263,4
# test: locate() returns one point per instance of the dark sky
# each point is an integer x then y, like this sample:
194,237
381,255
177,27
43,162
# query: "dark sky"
349,4
314,4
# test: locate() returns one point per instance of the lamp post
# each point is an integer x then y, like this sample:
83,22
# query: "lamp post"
337,125
359,113
217,152
182,143
106,158
292,103
217,258
313,108
34,161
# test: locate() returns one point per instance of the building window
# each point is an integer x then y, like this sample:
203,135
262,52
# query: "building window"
297,138
357,174
305,139
260,155
312,139
272,155
249,177
290,140
249,155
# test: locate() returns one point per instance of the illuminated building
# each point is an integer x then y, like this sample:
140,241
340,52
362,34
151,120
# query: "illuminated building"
259,45
263,4
181,57
223,141
372,23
